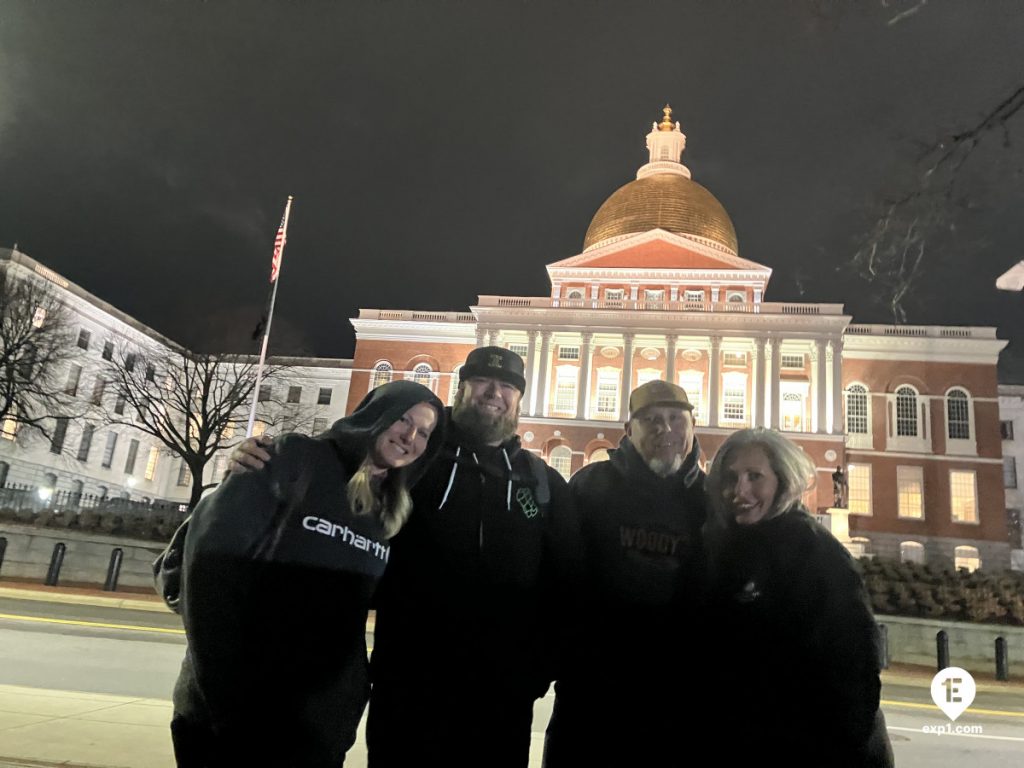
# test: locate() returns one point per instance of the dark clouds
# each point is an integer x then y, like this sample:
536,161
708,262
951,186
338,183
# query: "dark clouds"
438,150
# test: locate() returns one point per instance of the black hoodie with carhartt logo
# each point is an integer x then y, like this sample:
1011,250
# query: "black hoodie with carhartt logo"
277,580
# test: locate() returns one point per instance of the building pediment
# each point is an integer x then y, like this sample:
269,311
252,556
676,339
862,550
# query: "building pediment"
658,250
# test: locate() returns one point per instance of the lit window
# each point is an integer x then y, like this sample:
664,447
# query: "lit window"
294,394
184,474
647,374
734,358
958,415
963,496
736,297
906,412
614,294
693,296
910,492
911,552
857,410
574,293
421,374
453,386
1009,472
654,295
154,454
967,557
39,317
860,546
382,373
561,460
858,478
693,383
793,362
734,398
258,428
601,454
565,390
792,411
607,393
521,349
10,429
568,353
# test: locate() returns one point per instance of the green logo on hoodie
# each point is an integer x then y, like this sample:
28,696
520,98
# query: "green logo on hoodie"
527,503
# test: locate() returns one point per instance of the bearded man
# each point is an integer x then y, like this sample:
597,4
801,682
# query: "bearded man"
642,513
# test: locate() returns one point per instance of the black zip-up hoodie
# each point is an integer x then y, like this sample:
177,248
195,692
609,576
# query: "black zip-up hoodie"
476,574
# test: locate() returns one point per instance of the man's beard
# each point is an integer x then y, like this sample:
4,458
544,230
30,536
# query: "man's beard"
663,468
482,427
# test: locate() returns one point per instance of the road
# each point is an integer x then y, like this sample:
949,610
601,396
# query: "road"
109,651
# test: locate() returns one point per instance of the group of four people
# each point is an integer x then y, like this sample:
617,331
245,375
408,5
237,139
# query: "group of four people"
639,582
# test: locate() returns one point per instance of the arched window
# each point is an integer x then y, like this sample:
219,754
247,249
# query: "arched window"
453,386
423,374
574,293
906,412
561,460
382,373
856,409
958,415
601,454
911,552
967,557
792,411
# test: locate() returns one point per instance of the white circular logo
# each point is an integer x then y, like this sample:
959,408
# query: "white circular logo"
953,691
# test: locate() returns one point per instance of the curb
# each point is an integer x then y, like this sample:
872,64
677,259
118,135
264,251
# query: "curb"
43,595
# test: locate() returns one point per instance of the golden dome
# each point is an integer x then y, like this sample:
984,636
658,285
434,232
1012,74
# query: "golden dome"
668,201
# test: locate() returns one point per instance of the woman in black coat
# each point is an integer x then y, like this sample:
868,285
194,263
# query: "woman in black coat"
796,639
279,568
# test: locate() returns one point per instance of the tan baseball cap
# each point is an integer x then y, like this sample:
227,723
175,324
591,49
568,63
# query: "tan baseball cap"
657,393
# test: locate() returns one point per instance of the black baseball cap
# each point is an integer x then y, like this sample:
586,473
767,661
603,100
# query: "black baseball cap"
495,363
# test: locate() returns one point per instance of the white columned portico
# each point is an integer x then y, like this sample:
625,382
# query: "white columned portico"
627,375
479,336
821,385
836,352
542,373
583,392
531,362
759,382
774,382
714,379
670,357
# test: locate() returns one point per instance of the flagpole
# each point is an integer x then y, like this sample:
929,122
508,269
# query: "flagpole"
275,271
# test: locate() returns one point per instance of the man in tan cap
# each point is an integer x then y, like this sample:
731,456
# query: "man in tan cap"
642,512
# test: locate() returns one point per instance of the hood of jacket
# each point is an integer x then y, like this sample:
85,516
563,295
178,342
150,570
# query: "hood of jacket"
628,461
382,407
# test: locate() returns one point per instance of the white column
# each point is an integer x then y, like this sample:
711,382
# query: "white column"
673,294
836,351
714,294
670,357
542,374
773,382
714,380
595,290
634,292
821,384
531,360
479,336
759,382
627,375
583,391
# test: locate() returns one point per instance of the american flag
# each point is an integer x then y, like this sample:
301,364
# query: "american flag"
279,241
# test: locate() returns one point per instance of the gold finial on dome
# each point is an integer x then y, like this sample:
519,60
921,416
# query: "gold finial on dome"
666,123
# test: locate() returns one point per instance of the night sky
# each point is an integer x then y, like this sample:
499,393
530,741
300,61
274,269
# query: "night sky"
441,150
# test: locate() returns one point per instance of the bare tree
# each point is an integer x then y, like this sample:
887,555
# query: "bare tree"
37,346
194,404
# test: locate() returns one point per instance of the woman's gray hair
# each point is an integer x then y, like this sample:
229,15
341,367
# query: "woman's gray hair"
794,470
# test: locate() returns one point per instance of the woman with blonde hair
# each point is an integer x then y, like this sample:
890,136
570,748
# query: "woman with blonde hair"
279,567
798,643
